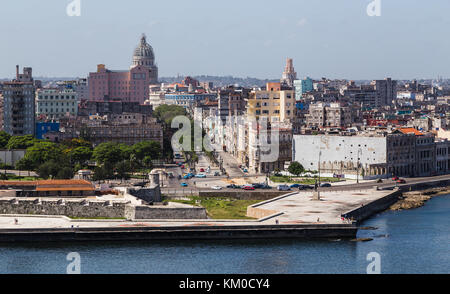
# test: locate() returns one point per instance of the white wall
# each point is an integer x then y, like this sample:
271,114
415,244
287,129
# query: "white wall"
306,149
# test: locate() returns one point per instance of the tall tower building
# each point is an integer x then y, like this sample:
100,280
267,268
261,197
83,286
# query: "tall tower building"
19,104
144,56
126,85
289,74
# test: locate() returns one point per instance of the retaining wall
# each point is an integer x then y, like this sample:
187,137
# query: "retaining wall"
84,209
178,233
149,212
373,207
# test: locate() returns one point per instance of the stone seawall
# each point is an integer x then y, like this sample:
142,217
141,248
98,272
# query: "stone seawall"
373,207
179,233
149,212
82,209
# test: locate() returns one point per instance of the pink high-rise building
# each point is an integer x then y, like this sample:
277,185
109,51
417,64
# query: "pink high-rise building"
127,85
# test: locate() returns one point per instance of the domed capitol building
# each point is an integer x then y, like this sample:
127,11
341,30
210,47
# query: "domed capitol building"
126,85
144,56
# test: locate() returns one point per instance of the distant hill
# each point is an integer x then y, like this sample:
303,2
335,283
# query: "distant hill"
223,81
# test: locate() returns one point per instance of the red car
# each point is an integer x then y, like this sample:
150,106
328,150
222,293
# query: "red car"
202,170
395,178
248,188
182,166
401,181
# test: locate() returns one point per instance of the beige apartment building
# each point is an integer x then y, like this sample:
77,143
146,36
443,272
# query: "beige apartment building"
274,102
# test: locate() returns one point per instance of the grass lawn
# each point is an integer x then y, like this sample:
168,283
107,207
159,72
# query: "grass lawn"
304,181
221,208
12,177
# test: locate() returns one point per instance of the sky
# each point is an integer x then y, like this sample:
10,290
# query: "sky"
326,38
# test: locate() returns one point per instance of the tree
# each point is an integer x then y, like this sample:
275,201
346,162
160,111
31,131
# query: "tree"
48,169
107,153
147,148
4,138
42,152
296,168
65,173
80,155
122,168
21,142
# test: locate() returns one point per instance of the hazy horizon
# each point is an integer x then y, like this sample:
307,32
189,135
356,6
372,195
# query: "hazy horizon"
326,38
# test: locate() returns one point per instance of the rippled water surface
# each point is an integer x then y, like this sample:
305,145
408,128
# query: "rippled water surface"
413,241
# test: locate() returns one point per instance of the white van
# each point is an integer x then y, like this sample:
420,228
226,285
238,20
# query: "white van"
283,188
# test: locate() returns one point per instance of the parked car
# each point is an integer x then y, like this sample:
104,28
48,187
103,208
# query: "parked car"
401,181
200,176
184,184
295,186
248,188
202,170
266,187
140,184
216,174
233,186
257,186
182,166
304,187
216,188
395,178
283,188
379,181
245,170
325,185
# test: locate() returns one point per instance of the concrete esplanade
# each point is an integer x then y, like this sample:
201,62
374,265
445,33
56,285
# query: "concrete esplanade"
294,215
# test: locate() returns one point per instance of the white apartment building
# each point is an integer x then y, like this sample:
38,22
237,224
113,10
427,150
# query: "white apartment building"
54,103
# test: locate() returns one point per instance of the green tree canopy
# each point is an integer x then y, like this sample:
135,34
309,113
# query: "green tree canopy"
166,113
296,168
42,152
80,154
147,148
107,153
4,138
21,142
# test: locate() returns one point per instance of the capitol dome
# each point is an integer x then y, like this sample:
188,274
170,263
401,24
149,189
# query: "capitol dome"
143,54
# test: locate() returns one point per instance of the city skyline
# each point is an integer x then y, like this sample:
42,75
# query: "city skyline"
240,41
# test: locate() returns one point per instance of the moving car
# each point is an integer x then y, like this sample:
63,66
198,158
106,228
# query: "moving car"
245,170
325,185
202,170
216,188
395,178
200,176
306,187
379,181
401,181
248,188
283,188
233,186
216,174
266,187
295,186
184,185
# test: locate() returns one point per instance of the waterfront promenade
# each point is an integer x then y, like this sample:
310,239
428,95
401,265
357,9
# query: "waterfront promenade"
293,208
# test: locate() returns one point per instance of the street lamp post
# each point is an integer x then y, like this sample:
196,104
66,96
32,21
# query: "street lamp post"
357,171
320,154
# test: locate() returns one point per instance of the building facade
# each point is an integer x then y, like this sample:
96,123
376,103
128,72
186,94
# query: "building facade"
19,104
